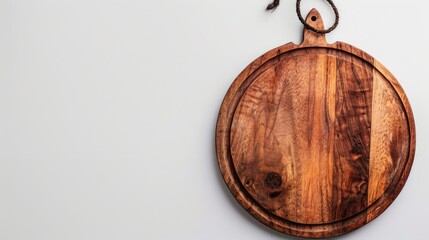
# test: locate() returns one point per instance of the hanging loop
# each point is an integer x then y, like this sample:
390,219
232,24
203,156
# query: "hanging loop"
275,4
321,31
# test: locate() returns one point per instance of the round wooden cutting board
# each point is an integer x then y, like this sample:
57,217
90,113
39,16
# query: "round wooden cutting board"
315,140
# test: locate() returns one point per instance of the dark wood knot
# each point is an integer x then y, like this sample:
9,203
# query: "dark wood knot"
273,180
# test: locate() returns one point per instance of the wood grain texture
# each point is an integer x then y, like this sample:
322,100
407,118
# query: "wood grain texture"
389,141
315,140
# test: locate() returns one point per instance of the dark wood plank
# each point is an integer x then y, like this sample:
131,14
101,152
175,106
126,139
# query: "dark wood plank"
352,138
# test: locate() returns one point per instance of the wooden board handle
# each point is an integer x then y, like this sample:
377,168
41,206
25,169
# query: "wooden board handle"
311,38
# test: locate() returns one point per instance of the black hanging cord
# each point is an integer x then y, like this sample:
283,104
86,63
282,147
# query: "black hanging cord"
273,5
276,3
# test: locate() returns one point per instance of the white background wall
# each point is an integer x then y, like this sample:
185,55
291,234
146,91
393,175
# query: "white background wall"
108,111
